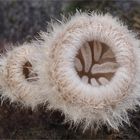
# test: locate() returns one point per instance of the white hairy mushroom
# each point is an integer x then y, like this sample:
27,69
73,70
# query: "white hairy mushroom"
93,70
21,75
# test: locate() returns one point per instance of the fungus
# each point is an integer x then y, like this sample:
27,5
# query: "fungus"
21,75
93,73
89,70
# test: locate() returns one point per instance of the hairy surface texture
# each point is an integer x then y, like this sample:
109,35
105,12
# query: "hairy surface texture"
87,67
92,72
21,75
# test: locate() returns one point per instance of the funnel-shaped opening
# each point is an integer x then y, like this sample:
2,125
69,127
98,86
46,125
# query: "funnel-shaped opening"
28,72
95,63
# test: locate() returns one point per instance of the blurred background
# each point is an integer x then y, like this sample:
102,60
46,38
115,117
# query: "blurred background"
22,20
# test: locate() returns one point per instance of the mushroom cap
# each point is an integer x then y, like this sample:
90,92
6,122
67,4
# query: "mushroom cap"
21,75
83,103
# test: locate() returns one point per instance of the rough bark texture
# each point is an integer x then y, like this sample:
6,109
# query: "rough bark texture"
21,20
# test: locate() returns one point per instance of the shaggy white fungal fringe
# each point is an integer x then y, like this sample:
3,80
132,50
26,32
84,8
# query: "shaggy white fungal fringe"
86,103
87,67
21,75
